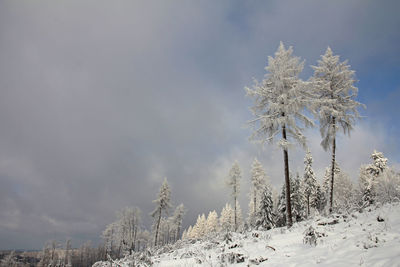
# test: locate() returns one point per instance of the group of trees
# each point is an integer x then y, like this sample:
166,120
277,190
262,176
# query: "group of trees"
282,102
309,196
127,234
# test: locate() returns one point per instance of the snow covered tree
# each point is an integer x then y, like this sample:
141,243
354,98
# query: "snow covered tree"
177,219
319,201
281,208
189,232
335,92
343,193
366,181
326,183
279,104
67,255
226,219
199,229
111,238
258,180
163,204
265,218
212,222
310,182
369,176
129,221
379,164
234,182
297,198
388,186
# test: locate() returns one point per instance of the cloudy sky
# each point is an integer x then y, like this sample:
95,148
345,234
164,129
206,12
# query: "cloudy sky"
100,100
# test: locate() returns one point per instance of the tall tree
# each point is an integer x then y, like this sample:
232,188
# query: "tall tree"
335,92
163,204
310,182
234,182
279,104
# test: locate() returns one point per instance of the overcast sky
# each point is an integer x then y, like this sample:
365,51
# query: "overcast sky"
100,100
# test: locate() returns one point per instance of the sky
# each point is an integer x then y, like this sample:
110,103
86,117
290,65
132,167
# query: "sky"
100,100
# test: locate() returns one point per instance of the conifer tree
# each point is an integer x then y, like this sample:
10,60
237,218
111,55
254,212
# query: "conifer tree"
258,180
177,219
212,222
226,219
310,182
281,208
335,92
369,175
265,218
163,204
297,198
279,104
234,182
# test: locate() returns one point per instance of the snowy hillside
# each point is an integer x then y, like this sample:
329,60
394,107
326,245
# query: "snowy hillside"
371,238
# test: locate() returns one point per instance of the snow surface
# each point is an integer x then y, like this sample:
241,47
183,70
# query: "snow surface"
359,239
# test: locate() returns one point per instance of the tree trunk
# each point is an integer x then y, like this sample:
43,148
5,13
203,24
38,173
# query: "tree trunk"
157,228
333,168
287,181
308,205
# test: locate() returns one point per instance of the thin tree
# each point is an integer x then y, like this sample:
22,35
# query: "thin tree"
177,219
163,204
335,92
258,181
310,182
234,182
279,104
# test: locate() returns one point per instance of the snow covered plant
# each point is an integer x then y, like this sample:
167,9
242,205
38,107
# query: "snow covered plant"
334,92
279,103
235,175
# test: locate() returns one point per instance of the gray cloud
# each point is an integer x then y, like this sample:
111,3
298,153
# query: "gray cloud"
100,101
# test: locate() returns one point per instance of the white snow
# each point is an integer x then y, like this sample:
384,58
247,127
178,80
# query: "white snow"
355,240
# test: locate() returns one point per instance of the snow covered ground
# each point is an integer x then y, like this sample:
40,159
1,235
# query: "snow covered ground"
371,238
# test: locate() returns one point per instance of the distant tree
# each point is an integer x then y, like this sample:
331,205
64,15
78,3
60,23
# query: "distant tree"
67,256
369,176
163,204
234,182
9,260
199,229
258,180
310,182
335,92
177,219
344,193
319,201
226,219
212,222
129,220
45,256
279,105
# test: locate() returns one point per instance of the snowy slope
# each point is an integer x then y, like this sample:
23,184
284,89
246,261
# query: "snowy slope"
356,240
